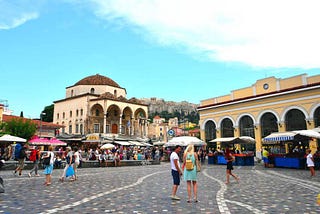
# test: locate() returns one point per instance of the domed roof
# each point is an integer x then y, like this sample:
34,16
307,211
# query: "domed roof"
97,80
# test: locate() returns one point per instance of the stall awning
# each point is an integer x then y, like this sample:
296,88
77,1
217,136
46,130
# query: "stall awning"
122,143
280,136
235,140
308,133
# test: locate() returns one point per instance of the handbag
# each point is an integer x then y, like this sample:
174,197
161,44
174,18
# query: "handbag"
70,171
46,161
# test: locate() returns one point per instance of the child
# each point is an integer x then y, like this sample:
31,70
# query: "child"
310,162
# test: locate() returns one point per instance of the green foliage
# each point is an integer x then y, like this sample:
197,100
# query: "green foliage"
48,116
193,117
19,127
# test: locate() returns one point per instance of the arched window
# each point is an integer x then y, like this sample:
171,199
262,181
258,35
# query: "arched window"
77,112
210,131
71,93
316,117
246,127
97,112
227,128
115,93
92,91
268,124
58,116
295,120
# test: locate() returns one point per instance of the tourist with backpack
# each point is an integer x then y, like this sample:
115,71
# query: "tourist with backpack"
35,157
20,155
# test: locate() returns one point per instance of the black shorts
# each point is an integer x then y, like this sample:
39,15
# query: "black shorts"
229,165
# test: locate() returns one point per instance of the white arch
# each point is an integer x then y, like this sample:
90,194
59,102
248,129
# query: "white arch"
313,109
291,108
242,115
225,117
267,111
207,120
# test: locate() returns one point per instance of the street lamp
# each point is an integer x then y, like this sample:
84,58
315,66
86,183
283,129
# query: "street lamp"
42,113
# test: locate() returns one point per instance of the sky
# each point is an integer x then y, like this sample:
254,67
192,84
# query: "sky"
177,50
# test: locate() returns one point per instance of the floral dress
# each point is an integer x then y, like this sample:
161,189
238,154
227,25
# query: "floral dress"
190,175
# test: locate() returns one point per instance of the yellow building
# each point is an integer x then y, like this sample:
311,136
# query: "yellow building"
97,104
269,105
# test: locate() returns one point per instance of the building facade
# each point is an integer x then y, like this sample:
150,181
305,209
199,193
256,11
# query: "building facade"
269,105
97,104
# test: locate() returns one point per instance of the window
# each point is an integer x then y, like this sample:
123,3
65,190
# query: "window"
81,128
96,128
115,93
107,129
92,90
71,93
81,112
58,116
77,128
63,115
70,129
77,113
70,113
97,113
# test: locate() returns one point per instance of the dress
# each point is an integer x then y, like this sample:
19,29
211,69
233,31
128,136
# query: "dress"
190,175
309,160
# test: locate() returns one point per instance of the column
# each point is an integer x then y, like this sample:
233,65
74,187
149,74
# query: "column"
104,123
120,124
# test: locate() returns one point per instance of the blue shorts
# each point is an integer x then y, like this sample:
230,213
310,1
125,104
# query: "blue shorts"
48,170
265,160
176,177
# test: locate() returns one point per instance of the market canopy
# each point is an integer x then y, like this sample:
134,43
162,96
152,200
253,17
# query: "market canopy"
308,133
11,138
46,142
280,136
235,140
184,141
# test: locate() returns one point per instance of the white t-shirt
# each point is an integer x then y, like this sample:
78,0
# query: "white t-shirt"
174,156
309,160
51,158
77,157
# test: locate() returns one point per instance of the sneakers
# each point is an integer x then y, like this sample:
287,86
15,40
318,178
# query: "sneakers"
174,197
37,175
29,175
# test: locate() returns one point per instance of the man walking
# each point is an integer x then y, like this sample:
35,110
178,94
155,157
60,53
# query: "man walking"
176,171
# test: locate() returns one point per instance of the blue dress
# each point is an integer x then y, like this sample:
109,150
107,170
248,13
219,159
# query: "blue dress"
190,175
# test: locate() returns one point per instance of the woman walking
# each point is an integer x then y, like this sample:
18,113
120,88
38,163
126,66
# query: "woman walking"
190,175
69,162
48,167
310,162
76,163
229,158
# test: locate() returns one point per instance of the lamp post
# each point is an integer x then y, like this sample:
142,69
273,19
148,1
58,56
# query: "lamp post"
42,113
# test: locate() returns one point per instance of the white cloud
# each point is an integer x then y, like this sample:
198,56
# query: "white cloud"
269,33
15,13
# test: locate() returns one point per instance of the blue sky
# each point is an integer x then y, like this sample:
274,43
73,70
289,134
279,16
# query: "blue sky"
171,49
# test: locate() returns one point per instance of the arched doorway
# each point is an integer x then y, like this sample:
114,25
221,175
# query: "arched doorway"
268,124
210,133
114,129
316,117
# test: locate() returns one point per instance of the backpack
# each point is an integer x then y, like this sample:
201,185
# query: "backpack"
33,155
23,153
189,164
17,150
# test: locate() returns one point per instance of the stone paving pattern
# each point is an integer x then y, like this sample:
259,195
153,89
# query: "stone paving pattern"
146,189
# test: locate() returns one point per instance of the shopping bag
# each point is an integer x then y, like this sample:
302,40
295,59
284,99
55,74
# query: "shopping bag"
70,171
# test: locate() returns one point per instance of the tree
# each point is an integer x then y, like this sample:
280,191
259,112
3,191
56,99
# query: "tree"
48,116
20,127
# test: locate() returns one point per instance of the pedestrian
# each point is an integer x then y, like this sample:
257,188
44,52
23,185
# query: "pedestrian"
48,167
116,159
229,158
265,157
69,162
190,175
76,163
310,162
35,157
176,171
20,155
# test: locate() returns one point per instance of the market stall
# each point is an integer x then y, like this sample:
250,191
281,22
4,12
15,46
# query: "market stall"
288,149
241,159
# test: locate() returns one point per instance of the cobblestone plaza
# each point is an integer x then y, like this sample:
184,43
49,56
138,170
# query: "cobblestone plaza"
147,189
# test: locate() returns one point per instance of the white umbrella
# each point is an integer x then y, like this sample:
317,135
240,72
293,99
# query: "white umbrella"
185,141
308,133
107,146
10,138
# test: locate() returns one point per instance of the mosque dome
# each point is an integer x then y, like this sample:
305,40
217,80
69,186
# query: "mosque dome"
97,80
